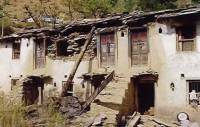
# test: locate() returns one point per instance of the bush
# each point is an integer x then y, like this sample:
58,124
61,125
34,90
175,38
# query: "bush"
7,26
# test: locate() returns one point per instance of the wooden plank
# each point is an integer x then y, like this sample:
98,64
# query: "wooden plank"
131,117
158,121
134,121
98,90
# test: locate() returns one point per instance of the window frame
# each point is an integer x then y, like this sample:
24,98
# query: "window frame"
16,50
107,63
180,41
61,49
188,90
70,92
14,83
41,43
139,52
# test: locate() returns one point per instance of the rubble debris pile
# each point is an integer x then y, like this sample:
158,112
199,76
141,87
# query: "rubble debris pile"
33,115
137,120
68,106
99,120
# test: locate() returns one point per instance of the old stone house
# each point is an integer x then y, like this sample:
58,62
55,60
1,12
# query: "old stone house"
157,53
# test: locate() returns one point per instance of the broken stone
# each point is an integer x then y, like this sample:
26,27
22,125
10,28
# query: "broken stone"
31,112
89,122
70,106
185,123
194,125
99,120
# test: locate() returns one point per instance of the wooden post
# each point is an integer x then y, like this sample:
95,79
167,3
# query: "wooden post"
40,96
77,63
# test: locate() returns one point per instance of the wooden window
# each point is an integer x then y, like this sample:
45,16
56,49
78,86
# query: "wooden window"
13,83
194,85
40,53
107,50
186,38
16,51
69,89
139,46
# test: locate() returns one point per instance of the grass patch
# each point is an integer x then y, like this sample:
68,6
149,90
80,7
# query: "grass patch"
55,118
11,115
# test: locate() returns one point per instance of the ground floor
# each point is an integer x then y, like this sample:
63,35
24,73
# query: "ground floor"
148,93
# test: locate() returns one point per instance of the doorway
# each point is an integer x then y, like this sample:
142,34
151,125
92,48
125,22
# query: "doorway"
146,95
144,92
33,90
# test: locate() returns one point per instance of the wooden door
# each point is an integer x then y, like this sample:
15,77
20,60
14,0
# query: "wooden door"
139,47
107,50
40,54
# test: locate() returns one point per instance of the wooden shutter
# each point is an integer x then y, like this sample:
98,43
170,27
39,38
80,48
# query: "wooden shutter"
40,54
139,47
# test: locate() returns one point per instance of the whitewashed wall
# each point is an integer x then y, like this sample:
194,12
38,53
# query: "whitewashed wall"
57,69
170,64
15,67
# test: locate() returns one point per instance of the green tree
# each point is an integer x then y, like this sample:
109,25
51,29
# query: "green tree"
38,9
72,9
5,21
195,1
1,12
130,5
184,3
120,6
89,8
151,5
96,8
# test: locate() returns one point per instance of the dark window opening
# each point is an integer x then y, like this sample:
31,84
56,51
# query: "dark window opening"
13,83
69,89
122,34
62,49
186,38
107,49
139,47
48,43
16,50
54,84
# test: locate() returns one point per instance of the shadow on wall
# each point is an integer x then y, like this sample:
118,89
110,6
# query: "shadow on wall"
127,107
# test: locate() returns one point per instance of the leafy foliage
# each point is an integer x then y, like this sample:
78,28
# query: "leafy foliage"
78,9
150,5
